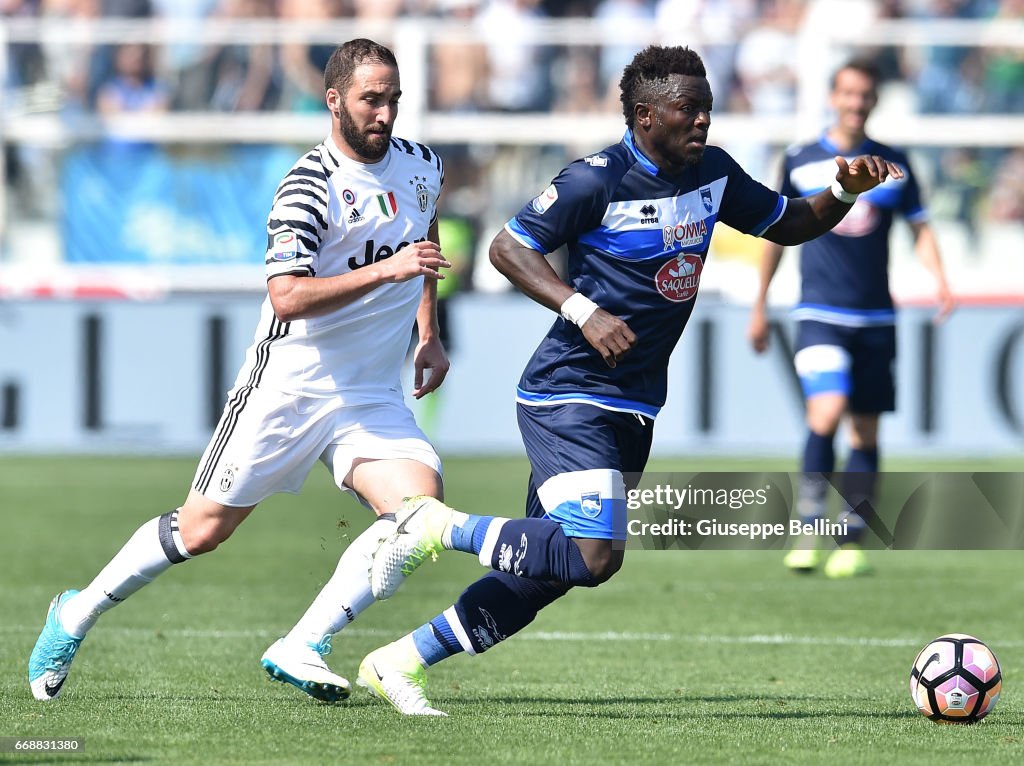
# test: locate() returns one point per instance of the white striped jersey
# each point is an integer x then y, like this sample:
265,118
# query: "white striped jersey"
332,215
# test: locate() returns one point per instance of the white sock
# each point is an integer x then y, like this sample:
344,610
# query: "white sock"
153,549
347,593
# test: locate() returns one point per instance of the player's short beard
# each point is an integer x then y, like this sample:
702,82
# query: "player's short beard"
359,141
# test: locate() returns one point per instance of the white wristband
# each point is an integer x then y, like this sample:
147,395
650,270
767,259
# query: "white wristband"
577,309
841,194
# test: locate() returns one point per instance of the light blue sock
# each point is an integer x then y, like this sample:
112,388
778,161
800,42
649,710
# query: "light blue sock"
470,536
435,640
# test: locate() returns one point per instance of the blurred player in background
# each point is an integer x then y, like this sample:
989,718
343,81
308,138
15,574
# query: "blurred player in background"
846,336
352,262
637,218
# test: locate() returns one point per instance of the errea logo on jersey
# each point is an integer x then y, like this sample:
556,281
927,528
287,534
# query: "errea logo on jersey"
596,161
685,234
679,279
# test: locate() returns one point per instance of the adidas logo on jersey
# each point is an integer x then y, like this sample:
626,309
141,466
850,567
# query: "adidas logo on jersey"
355,216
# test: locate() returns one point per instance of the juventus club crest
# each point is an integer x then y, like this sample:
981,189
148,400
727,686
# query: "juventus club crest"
422,197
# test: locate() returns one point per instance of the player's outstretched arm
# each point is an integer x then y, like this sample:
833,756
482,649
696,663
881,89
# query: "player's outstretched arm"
300,297
530,271
809,217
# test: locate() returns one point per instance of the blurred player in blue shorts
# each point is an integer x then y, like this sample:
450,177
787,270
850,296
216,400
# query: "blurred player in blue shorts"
637,219
846,336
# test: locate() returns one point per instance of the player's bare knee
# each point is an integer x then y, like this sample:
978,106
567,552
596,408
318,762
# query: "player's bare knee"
204,527
601,559
607,568
204,536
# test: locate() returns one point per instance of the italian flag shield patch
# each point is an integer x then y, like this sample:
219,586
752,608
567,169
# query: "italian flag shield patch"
388,204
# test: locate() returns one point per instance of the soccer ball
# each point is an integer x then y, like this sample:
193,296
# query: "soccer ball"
955,679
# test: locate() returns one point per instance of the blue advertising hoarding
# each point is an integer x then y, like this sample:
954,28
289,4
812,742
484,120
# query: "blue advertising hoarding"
142,204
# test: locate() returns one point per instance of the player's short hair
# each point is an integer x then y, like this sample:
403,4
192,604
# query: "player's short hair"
645,78
865,66
346,57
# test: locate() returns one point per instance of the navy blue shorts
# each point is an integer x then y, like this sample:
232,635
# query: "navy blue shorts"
581,458
858,362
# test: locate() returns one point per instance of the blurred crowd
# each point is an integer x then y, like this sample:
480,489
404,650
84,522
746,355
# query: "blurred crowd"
754,72
750,58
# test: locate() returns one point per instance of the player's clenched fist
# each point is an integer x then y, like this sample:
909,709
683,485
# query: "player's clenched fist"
609,335
416,259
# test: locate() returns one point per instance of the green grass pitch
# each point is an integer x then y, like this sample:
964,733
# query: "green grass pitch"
683,658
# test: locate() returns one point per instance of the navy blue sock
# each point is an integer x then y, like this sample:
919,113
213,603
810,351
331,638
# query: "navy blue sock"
819,454
862,461
818,463
499,604
538,548
436,640
859,482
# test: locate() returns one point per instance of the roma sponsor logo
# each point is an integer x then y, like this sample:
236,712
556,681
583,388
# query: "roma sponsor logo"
679,279
685,234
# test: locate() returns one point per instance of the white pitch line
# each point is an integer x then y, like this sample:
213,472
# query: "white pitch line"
777,639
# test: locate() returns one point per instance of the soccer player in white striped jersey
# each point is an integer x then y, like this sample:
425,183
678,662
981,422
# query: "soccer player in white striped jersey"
352,263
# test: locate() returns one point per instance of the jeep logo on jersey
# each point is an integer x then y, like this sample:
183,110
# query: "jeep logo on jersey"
679,279
685,234
372,253
648,214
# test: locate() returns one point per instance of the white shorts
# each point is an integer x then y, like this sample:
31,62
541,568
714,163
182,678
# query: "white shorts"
267,442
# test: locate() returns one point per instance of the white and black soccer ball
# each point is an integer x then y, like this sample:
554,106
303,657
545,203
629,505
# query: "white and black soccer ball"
955,679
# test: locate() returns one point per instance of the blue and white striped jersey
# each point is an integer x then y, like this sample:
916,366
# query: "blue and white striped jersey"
845,272
332,215
637,240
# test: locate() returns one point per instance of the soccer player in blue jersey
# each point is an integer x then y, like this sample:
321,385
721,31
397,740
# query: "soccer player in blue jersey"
846,337
637,218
